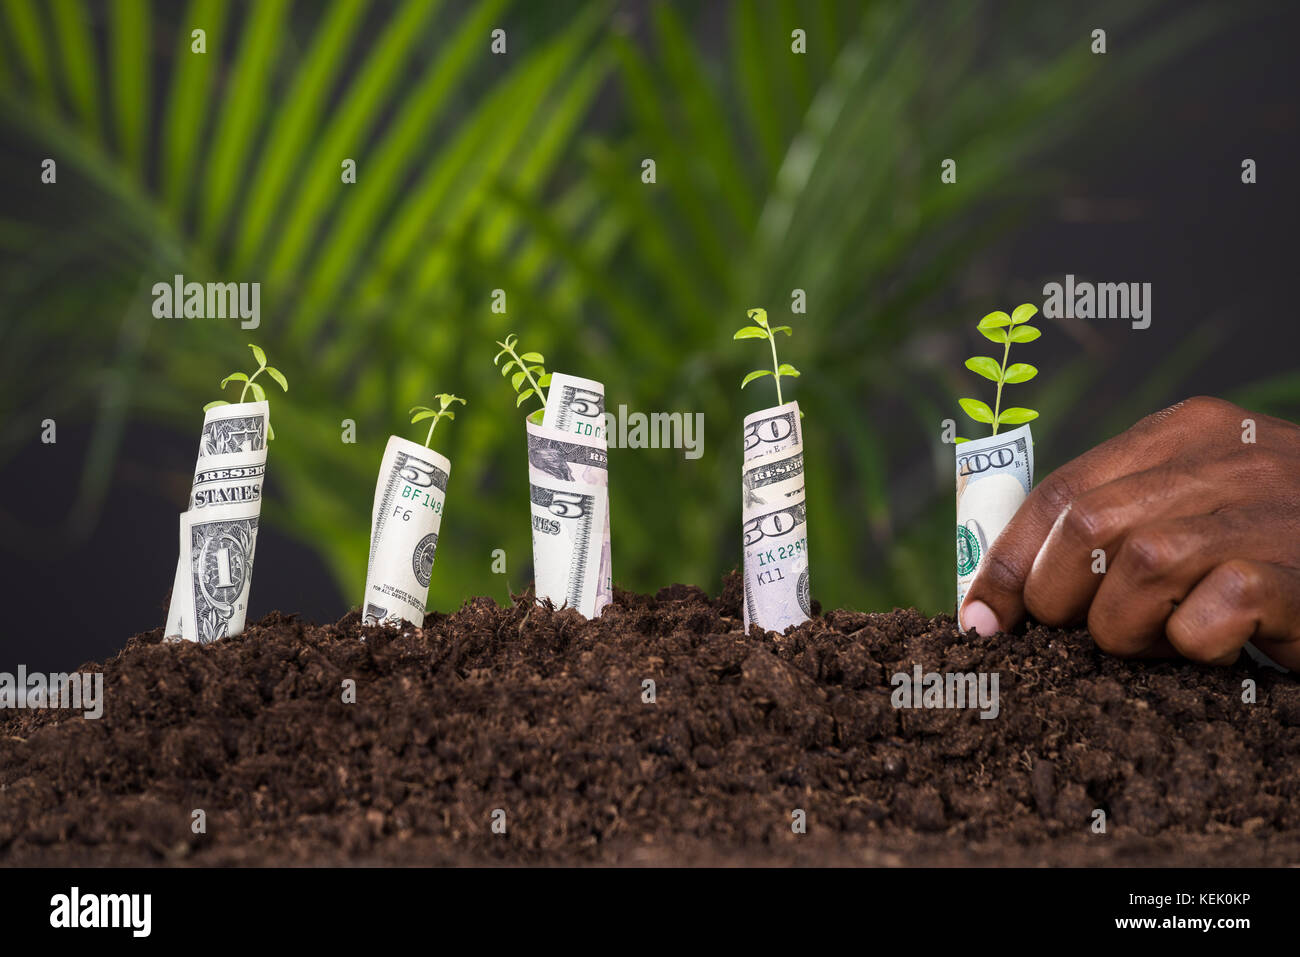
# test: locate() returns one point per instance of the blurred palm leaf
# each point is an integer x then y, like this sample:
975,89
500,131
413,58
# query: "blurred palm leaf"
776,171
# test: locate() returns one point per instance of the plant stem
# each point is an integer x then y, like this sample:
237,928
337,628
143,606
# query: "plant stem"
429,437
776,373
997,403
243,392
524,369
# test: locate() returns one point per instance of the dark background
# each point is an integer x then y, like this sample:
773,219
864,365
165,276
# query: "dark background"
1149,191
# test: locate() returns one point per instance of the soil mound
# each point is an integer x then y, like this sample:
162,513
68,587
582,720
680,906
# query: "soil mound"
542,722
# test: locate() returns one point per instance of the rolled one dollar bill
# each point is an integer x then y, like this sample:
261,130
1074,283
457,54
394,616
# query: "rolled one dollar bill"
774,520
228,471
404,524
217,547
568,476
994,476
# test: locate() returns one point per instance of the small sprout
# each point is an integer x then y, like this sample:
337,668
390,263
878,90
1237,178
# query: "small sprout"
259,394
421,412
764,331
528,368
1003,329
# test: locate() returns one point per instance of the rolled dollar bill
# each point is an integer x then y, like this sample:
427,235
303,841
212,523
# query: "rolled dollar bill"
229,470
575,406
774,520
567,457
994,476
404,523
217,546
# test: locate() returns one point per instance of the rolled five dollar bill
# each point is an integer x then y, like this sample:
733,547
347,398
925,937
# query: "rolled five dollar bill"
774,520
218,531
404,523
568,479
994,476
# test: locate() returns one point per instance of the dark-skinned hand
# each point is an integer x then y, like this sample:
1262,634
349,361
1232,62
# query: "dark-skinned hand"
1199,529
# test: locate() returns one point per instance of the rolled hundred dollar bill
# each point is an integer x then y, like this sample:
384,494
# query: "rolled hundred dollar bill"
994,476
775,520
210,586
568,477
404,523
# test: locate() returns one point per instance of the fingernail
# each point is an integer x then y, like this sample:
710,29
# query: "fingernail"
977,616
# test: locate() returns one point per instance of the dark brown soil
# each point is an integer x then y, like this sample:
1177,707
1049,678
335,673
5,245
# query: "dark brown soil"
540,714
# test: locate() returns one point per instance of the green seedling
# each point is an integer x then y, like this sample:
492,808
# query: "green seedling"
528,368
1003,329
421,412
764,331
259,394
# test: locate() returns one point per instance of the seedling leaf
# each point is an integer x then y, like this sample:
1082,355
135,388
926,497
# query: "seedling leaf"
214,403
994,320
278,376
1019,372
1004,330
1023,313
233,377
421,416
763,330
259,355
527,370
1016,416
259,394
983,365
976,409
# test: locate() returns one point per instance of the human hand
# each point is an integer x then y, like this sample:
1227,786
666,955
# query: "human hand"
1198,528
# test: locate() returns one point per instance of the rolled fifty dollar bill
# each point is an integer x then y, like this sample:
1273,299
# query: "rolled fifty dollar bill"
404,523
568,475
994,476
228,471
775,520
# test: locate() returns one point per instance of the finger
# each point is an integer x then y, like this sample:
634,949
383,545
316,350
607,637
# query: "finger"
998,588
1088,535
1154,568
1240,601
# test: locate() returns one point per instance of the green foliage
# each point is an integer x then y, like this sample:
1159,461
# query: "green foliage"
419,413
250,385
528,368
475,172
1001,328
764,331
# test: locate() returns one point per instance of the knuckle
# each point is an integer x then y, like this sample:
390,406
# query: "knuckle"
1084,522
1055,494
1000,575
1204,406
1148,553
1239,584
